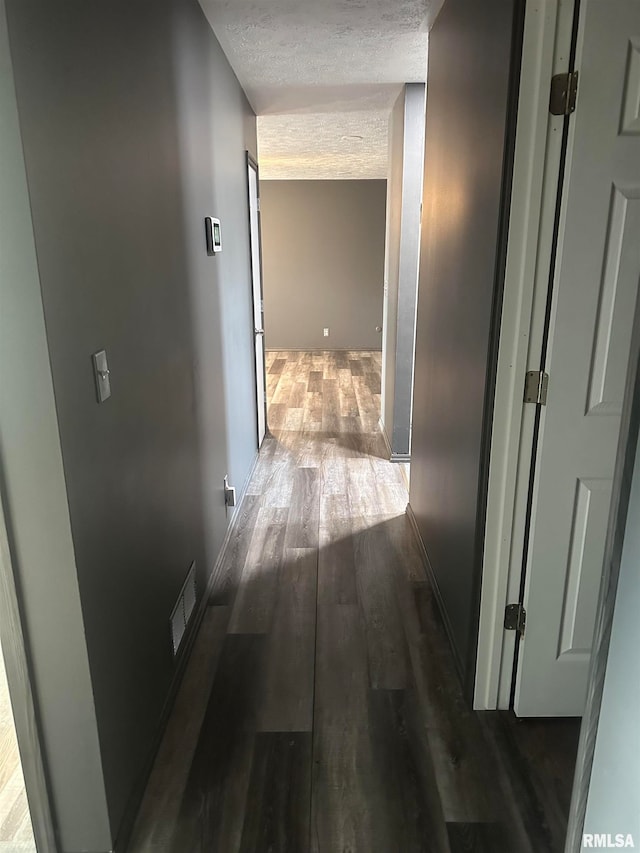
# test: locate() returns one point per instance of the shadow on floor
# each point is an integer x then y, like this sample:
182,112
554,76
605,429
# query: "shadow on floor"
333,719
320,711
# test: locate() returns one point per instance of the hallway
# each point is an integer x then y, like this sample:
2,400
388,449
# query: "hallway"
320,710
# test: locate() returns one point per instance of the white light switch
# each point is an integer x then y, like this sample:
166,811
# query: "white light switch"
101,373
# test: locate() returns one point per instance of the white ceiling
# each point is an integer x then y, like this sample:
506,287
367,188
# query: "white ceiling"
320,73
323,145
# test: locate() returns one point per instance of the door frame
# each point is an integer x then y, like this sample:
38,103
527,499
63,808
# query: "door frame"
546,51
23,704
251,163
540,142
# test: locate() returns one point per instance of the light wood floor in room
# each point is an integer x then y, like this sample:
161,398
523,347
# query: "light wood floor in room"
320,711
16,834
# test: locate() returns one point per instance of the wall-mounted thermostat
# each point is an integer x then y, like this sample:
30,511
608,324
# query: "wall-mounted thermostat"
214,237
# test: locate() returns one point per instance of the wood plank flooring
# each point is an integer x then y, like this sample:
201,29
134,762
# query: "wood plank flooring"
16,832
320,711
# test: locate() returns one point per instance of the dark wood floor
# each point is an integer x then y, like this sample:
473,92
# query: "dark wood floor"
320,710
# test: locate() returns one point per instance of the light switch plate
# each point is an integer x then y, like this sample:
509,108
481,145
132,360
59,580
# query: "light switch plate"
101,374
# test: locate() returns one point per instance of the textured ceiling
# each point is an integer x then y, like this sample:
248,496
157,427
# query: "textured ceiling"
320,72
323,145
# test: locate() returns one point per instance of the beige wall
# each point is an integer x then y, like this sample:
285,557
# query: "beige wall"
323,258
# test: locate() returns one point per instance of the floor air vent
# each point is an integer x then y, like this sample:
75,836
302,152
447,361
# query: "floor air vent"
183,609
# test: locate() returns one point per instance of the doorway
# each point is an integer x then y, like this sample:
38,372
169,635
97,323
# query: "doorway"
26,822
258,304
323,253
16,831
556,457
586,345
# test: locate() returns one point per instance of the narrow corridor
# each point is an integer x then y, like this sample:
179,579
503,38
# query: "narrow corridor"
320,710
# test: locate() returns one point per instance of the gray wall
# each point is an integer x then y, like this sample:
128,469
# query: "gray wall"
215,125
36,512
323,263
402,253
466,120
134,128
612,805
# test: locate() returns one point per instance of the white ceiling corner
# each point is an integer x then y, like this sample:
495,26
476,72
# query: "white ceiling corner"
319,73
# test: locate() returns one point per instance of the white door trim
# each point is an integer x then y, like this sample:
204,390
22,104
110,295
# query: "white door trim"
546,45
257,297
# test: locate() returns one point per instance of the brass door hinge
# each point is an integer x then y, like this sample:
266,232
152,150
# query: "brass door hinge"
515,618
536,383
564,91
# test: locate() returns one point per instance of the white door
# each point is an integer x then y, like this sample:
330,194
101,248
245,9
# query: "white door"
597,275
256,277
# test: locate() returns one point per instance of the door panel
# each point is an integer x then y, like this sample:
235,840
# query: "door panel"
617,302
586,552
598,270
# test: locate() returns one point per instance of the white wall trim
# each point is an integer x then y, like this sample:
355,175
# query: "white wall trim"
538,141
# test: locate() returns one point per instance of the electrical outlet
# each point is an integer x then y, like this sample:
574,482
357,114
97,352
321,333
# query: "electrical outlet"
229,493
325,332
